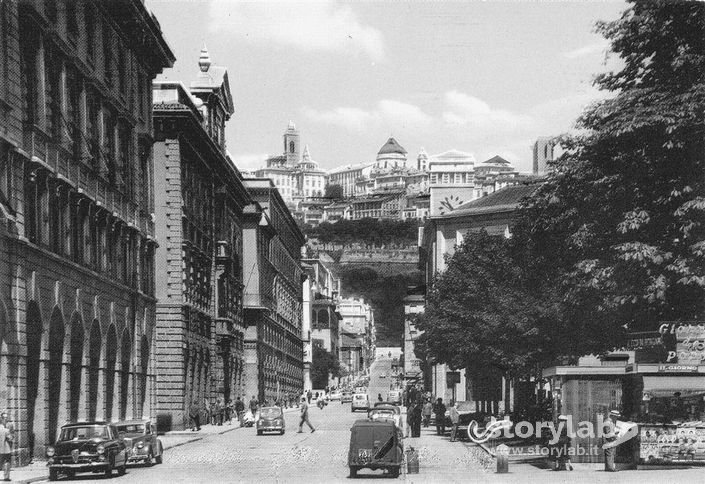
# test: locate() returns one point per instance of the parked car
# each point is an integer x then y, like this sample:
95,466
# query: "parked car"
271,419
140,437
375,444
346,397
87,447
335,395
360,401
394,397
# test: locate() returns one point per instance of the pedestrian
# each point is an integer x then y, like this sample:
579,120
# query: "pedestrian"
427,411
611,436
309,395
229,412
254,405
240,410
379,397
454,420
7,437
304,417
560,449
416,420
194,414
219,412
440,411
409,419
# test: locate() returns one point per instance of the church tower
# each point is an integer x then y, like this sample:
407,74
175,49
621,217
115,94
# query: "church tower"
291,144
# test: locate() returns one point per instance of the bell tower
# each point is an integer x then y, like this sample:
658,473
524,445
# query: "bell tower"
291,144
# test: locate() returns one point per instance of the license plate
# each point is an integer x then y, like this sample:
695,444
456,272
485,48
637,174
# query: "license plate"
364,455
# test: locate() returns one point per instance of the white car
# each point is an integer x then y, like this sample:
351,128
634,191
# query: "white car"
383,375
336,395
360,401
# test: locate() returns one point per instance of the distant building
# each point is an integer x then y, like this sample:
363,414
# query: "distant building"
442,234
413,305
347,177
357,334
391,172
380,206
272,276
543,153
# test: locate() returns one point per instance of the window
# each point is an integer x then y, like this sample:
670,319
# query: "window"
458,178
123,158
108,55
434,178
123,73
6,159
72,104
93,124
446,178
109,144
52,76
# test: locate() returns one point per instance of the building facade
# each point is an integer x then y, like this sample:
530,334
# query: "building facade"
77,305
542,154
347,177
199,215
357,335
273,297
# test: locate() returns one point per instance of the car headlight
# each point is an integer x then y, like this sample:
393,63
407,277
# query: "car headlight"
140,445
100,449
50,451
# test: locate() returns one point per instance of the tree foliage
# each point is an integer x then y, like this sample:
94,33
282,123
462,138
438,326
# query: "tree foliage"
619,223
483,310
334,191
367,231
323,365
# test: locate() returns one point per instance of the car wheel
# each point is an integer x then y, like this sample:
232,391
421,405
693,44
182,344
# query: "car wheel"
109,469
259,432
149,462
282,432
123,468
53,474
353,471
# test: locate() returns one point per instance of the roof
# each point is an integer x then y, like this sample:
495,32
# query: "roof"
391,146
95,422
496,160
505,198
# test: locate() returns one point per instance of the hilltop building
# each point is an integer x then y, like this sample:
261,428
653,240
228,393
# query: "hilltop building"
296,175
543,154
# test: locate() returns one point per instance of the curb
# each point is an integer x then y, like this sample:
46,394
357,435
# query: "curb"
33,479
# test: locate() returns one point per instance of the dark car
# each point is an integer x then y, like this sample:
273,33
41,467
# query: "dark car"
140,437
346,397
87,447
375,444
271,419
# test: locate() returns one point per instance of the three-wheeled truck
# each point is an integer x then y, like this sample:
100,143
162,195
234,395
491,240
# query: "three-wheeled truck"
375,444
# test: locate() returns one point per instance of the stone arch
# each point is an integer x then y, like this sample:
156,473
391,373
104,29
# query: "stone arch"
125,356
35,329
111,353
55,370
94,351
75,365
144,368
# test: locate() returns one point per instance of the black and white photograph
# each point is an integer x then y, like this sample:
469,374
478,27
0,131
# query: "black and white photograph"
336,241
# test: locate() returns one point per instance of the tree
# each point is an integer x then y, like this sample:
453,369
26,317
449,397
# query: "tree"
324,364
482,312
334,191
618,224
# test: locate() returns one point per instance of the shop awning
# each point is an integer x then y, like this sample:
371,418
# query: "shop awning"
666,386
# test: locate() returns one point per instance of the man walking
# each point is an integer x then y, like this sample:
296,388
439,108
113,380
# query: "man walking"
440,411
194,413
427,411
240,410
7,437
454,420
254,404
304,417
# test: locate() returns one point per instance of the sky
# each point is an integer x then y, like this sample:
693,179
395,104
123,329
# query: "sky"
484,77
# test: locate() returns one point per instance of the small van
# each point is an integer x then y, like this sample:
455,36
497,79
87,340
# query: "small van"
375,444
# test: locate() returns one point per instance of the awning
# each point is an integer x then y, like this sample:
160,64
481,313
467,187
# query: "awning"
667,386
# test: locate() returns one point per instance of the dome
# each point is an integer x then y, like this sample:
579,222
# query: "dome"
391,147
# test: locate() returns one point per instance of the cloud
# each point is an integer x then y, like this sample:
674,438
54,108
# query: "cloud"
320,26
596,48
387,112
465,110
249,161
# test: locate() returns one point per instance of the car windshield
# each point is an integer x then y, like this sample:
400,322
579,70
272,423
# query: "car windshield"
270,412
85,432
131,428
381,414
360,397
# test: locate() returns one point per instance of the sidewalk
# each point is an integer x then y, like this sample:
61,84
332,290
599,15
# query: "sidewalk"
38,471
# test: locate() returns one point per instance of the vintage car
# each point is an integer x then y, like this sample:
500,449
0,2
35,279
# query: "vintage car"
385,411
140,437
87,447
346,397
335,395
271,419
375,444
360,401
